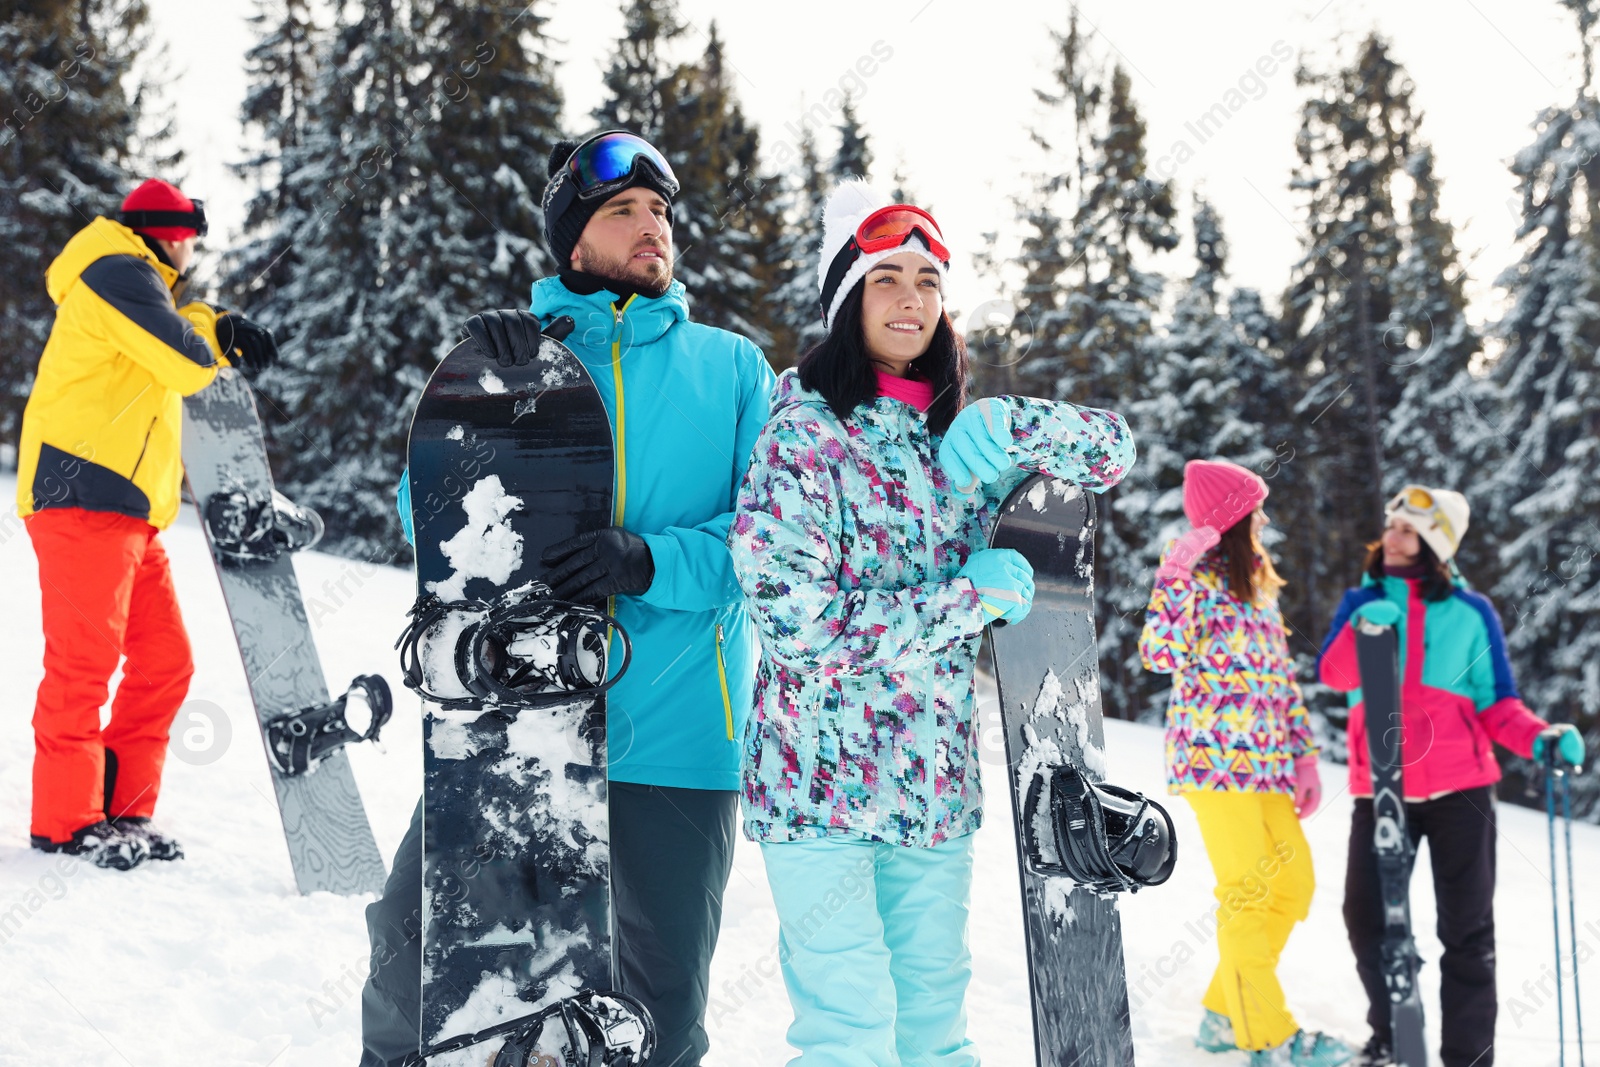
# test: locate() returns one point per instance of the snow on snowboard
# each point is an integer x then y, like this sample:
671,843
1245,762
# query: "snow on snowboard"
1079,840
252,532
1378,660
505,461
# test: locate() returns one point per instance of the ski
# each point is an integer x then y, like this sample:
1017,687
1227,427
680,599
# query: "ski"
1378,657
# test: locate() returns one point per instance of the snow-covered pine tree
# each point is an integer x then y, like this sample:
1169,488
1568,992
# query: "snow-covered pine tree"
69,134
1096,209
725,213
1430,346
416,226
1538,501
641,78
1357,131
499,106
853,159
282,67
726,222
805,189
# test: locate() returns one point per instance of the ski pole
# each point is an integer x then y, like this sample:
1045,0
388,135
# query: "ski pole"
1572,912
1555,898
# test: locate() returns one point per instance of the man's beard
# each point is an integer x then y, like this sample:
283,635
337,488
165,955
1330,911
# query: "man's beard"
650,277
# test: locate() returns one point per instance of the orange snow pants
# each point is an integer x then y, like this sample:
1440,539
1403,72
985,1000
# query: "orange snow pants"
1264,885
107,594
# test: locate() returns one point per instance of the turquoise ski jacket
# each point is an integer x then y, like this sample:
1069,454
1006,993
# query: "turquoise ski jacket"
687,403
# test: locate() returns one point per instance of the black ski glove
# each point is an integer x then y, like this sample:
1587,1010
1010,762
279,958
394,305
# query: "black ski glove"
248,345
512,338
601,563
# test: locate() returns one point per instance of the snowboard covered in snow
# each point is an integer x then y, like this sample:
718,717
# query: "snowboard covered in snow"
1047,671
504,462
225,463
1378,660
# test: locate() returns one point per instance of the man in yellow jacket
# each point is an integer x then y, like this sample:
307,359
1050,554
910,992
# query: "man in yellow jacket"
98,476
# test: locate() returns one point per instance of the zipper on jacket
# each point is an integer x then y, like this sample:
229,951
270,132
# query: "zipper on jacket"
148,430
928,735
722,678
621,435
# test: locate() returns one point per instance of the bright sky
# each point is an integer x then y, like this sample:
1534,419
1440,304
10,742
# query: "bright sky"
952,101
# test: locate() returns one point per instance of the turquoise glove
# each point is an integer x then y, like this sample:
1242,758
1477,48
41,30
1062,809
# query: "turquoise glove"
402,504
1378,613
1004,580
1568,742
977,446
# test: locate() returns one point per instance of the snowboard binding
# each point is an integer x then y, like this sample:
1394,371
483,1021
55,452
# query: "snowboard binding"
1101,836
527,650
299,740
249,529
597,1030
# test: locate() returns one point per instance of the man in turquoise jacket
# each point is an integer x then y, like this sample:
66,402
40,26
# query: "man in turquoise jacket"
686,403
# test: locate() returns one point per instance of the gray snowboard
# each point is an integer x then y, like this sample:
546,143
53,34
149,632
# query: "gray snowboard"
1048,674
330,842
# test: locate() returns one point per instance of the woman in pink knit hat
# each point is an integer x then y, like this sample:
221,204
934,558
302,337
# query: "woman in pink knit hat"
1240,750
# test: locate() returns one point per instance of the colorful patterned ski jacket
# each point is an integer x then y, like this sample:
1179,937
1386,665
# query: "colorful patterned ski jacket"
847,542
1236,720
1456,690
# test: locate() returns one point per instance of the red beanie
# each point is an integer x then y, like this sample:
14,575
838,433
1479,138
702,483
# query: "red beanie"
155,209
1218,494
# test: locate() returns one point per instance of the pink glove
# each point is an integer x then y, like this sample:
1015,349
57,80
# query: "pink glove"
1307,786
1186,549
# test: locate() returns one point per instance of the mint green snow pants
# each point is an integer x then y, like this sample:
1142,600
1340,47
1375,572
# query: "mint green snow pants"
873,945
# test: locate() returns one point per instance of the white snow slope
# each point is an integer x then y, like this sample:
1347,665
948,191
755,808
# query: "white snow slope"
217,960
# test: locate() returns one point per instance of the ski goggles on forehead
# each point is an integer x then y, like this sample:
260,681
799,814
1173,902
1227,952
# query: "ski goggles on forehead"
892,226
604,164
1415,500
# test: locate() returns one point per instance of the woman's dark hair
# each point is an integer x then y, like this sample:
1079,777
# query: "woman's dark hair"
1437,581
1252,579
839,368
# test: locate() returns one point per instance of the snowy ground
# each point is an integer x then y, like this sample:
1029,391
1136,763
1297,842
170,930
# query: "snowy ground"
217,960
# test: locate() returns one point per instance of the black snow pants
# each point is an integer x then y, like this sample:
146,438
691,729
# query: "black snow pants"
671,854
1460,828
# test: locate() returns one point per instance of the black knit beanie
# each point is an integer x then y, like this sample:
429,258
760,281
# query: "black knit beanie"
562,229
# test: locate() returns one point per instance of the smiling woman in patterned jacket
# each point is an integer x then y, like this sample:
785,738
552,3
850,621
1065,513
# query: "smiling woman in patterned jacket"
859,540
1240,750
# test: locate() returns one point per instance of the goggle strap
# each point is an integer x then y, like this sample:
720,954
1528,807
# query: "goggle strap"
189,220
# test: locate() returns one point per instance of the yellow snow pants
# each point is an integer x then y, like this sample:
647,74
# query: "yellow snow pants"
1264,884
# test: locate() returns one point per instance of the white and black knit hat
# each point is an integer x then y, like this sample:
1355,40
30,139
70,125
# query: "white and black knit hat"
848,207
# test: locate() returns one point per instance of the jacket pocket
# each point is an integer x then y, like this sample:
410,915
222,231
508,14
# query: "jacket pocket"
148,430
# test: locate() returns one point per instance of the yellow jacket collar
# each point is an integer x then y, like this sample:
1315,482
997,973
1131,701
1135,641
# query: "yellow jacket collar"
102,237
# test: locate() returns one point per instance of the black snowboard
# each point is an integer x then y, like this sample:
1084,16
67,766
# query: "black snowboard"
1048,674
505,462
1378,657
330,842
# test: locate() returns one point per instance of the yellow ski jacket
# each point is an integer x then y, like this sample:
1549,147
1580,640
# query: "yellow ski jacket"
102,427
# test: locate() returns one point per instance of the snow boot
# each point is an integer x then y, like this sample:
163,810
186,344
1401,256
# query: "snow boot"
101,844
160,845
1216,1033
1375,1053
1305,1049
